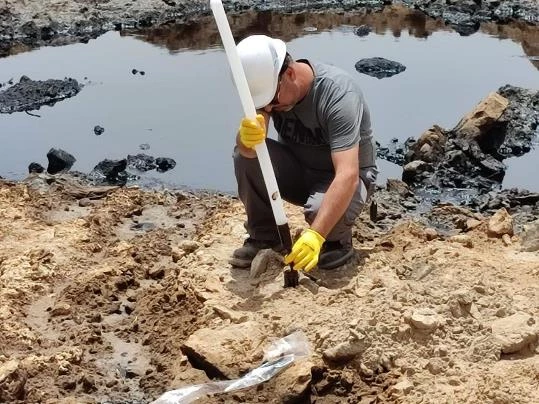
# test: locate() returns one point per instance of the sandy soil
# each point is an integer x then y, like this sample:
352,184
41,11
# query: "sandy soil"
113,294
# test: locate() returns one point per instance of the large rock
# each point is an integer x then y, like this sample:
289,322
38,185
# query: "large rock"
500,223
516,332
12,382
221,352
482,118
59,160
379,67
530,237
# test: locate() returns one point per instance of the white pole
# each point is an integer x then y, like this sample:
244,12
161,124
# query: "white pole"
249,109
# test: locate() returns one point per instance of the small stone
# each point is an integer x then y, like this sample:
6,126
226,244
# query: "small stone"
401,388
500,223
189,246
99,130
506,238
463,239
231,315
345,351
472,224
425,319
435,366
61,309
431,233
156,273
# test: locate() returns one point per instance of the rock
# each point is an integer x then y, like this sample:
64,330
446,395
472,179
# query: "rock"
156,272
530,237
424,319
430,233
292,384
216,350
412,169
516,332
401,388
436,366
379,67
398,186
430,146
506,238
472,224
477,124
231,315
28,95
110,169
35,168
85,202
344,351
265,261
61,309
362,30
59,160
99,130
12,382
189,246
164,164
500,223
141,162
484,348
463,239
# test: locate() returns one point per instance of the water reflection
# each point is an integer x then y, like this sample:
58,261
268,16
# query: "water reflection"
203,34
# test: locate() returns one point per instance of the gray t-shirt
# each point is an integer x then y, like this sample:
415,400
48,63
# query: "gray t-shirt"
332,117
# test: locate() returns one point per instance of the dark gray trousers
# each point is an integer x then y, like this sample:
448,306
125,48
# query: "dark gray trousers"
298,185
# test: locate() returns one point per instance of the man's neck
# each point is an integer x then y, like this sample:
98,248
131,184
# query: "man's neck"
305,77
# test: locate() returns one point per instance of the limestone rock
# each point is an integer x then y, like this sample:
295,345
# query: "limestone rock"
472,224
231,315
220,352
401,388
516,332
481,119
292,384
425,319
530,237
500,223
266,260
12,382
346,351
189,246
463,239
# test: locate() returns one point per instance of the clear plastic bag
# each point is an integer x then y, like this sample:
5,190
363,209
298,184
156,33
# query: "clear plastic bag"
279,355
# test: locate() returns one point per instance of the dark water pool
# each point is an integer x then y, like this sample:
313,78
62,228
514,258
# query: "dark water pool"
185,106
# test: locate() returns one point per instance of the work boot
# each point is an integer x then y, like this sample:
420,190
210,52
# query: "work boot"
243,256
334,254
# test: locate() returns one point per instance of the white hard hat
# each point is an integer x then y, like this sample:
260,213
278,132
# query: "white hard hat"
262,58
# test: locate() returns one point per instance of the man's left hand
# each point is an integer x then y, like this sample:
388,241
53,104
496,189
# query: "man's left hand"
306,250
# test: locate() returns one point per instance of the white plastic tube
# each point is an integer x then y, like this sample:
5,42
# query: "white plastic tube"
248,108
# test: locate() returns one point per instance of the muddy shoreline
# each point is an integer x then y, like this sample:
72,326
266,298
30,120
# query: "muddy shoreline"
23,27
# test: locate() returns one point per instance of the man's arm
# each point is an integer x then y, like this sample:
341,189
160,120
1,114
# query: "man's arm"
248,152
340,192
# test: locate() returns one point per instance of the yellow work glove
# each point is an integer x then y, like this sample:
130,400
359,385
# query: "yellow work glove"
306,250
252,132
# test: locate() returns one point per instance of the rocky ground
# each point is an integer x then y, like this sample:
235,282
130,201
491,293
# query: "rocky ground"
112,294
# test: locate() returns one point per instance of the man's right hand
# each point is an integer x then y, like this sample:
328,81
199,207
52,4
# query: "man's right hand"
252,132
